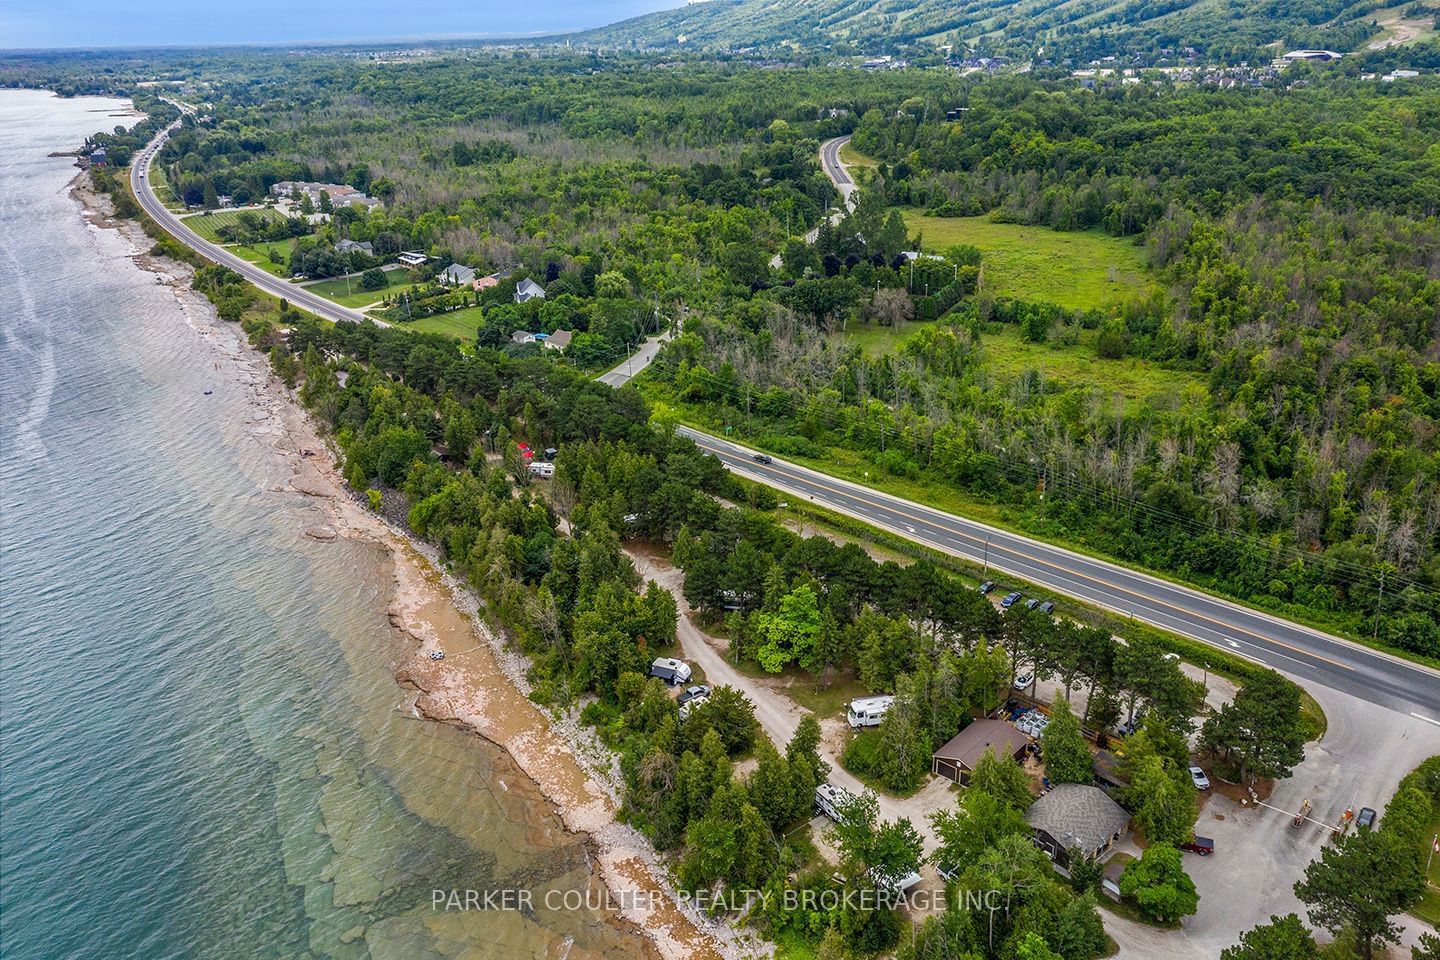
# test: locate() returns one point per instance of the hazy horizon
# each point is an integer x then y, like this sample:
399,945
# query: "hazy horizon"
38,25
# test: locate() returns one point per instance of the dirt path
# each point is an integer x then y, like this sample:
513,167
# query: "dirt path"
778,714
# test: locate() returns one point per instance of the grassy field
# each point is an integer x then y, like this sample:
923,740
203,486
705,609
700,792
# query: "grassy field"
205,224
358,296
1398,30
875,340
259,253
460,324
1080,270
1005,353
160,186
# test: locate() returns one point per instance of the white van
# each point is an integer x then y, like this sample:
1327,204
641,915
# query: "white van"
868,711
830,800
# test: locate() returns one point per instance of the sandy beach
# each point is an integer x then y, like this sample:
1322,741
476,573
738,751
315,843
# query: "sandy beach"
479,685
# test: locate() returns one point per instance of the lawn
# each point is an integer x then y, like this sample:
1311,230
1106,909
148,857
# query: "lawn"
259,253
460,324
205,224
1077,269
358,296
1007,354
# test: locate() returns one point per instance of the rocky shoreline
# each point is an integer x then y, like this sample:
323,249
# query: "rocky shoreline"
481,683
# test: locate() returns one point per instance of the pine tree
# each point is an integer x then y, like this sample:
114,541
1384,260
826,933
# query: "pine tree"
1063,747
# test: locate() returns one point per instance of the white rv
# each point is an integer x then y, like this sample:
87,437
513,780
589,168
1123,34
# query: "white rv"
672,671
542,469
830,799
868,711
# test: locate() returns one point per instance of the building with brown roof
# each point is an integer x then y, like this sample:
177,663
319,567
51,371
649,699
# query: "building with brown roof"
956,759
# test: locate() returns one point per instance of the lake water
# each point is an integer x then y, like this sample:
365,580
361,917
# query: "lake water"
205,753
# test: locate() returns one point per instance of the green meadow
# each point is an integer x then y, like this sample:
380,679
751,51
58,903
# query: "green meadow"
1080,270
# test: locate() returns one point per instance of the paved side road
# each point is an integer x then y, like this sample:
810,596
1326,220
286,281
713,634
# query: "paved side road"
1308,655
840,177
635,364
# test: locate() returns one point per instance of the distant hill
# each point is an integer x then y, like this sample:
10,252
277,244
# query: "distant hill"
1219,29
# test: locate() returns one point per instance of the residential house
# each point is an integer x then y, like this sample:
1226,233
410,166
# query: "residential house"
559,340
528,290
956,759
352,246
1076,817
412,258
485,283
457,275
521,337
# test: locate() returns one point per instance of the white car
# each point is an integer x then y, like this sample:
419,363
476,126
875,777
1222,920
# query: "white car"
1023,680
1197,777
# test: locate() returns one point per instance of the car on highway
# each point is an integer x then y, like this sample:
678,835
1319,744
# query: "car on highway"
1197,777
1366,818
987,586
1010,600
762,458
1201,845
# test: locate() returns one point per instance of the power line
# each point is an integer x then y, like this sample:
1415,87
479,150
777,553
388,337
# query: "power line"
1026,472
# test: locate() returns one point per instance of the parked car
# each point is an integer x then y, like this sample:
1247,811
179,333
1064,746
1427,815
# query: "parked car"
1366,818
1010,600
1047,607
1197,777
762,458
987,586
1023,679
698,692
1201,845
947,871
1032,603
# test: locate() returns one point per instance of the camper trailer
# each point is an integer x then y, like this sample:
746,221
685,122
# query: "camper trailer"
868,711
543,469
830,799
672,671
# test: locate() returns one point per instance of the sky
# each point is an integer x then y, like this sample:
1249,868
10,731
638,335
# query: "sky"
28,24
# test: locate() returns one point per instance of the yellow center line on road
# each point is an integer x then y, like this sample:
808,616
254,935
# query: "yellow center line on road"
1074,574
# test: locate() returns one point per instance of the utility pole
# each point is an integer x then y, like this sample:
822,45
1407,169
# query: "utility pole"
1379,600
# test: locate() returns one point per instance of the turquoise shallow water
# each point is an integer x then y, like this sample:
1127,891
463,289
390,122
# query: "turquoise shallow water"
203,751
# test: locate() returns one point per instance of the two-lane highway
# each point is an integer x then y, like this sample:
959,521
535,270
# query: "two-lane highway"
1306,654
175,226
835,170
